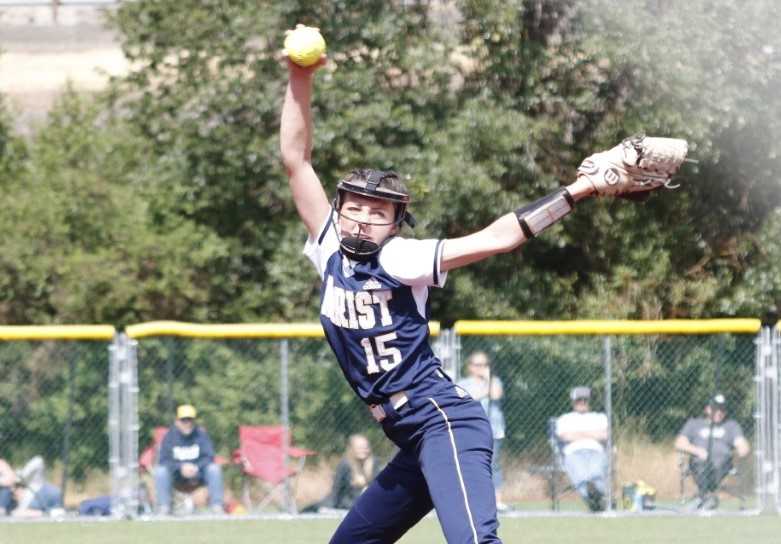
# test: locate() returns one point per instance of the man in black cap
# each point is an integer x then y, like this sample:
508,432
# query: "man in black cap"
584,434
711,442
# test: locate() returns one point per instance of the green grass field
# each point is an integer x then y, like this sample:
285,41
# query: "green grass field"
537,530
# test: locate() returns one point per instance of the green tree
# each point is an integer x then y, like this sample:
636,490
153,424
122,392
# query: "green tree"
12,148
586,74
208,91
711,71
80,242
484,105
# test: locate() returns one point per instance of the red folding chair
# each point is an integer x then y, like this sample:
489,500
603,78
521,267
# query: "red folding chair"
148,458
267,458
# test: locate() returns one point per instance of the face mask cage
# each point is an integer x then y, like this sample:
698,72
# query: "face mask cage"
358,248
355,247
372,188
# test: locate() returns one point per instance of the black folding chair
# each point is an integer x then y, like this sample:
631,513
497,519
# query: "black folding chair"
729,484
554,474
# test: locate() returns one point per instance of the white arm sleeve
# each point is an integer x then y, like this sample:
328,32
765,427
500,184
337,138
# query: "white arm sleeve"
414,262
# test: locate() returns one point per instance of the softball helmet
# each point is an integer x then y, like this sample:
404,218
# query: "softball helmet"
380,184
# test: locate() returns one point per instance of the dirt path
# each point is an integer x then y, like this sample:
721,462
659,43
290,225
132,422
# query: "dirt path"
32,80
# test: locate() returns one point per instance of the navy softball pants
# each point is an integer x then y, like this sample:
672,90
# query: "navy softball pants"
444,463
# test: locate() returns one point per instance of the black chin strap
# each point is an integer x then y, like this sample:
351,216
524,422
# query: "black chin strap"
358,249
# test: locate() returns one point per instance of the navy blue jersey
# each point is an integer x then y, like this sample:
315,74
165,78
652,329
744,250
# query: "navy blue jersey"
375,314
178,448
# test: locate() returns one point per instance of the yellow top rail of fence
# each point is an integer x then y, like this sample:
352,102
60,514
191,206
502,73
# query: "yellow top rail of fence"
238,330
57,332
601,327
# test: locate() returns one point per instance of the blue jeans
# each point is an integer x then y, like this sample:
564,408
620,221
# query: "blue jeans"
5,499
584,466
496,467
165,480
48,497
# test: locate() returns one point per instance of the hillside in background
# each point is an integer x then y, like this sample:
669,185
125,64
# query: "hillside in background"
42,49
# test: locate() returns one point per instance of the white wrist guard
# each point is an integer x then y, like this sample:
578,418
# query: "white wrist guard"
541,214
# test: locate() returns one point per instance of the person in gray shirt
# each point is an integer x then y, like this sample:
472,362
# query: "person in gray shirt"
711,442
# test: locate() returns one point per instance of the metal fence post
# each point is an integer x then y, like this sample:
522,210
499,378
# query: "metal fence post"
773,413
170,362
123,427
759,421
131,425
284,400
445,348
608,359
767,419
117,472
68,431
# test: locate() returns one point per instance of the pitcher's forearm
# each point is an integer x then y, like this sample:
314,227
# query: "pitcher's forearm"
295,129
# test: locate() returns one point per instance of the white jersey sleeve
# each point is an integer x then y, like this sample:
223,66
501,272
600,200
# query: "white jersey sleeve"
320,249
416,263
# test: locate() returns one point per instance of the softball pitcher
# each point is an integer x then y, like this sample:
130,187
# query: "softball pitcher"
374,310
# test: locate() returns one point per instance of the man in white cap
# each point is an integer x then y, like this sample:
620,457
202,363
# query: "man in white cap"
584,434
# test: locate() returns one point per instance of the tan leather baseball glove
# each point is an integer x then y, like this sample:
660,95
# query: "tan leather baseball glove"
637,164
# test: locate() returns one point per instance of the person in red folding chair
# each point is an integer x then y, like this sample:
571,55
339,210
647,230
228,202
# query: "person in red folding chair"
186,459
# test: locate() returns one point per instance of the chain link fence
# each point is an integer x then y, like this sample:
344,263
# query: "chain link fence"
54,405
89,410
648,385
232,382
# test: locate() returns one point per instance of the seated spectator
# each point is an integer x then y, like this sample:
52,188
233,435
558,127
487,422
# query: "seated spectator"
186,460
357,468
32,496
584,434
711,442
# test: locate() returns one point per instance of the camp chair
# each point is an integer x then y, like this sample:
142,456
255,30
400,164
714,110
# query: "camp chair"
269,461
182,497
553,472
729,485
558,483
148,458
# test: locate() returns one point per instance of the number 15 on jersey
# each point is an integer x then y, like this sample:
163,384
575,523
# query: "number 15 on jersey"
380,357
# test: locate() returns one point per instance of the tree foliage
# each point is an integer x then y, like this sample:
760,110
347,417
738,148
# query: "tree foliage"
164,198
168,195
80,240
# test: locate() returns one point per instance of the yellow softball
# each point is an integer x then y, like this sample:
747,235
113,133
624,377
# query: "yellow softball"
304,45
